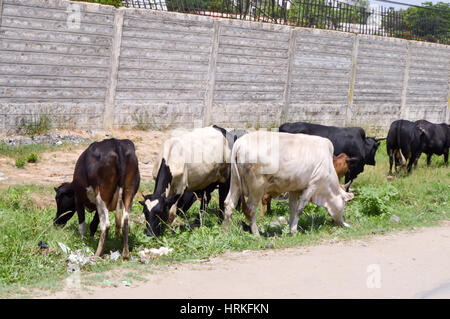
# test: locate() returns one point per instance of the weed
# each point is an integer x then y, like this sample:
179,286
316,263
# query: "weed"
32,158
20,162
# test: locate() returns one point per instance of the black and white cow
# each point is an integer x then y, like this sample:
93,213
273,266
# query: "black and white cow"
273,163
192,161
106,177
436,139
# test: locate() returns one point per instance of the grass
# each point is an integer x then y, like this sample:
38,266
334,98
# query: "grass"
30,152
419,199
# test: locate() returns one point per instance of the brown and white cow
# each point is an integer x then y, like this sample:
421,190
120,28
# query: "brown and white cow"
106,177
274,163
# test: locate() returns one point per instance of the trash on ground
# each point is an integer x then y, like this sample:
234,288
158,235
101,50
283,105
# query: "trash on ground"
395,218
147,254
64,248
126,283
43,245
79,258
114,255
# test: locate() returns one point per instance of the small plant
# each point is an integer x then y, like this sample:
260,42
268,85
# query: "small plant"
32,158
20,162
37,127
377,201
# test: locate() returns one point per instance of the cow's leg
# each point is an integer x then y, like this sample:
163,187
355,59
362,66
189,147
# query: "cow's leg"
224,188
293,209
269,205
81,219
127,203
265,203
411,161
104,223
446,156
263,206
391,161
252,203
94,224
429,159
232,199
119,208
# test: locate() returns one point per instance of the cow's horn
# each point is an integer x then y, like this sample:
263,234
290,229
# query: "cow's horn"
380,138
347,185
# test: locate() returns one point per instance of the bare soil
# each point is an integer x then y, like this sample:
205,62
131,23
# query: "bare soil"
54,168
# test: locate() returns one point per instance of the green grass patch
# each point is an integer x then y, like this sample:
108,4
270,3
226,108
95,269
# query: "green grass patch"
30,152
421,198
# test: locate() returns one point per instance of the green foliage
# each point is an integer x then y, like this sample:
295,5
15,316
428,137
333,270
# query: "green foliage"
20,162
38,126
32,158
115,3
431,23
377,201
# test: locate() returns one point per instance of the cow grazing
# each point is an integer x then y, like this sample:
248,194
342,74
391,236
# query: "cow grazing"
349,140
405,141
192,161
106,177
274,163
341,166
436,139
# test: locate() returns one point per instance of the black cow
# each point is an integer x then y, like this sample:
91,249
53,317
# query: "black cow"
106,177
405,141
349,140
437,139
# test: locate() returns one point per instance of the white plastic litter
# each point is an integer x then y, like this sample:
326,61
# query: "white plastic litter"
114,255
147,254
64,248
77,259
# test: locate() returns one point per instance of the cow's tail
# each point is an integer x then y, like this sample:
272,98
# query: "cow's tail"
399,146
121,164
239,182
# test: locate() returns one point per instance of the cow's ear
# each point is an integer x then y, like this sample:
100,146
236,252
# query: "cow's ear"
56,189
348,196
142,202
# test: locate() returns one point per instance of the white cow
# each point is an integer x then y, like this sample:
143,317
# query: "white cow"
274,163
191,161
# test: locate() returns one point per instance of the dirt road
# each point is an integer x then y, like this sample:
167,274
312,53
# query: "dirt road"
409,264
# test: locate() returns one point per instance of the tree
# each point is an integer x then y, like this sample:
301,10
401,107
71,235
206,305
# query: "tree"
430,23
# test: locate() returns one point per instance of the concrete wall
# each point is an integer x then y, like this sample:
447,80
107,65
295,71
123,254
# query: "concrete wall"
87,66
50,66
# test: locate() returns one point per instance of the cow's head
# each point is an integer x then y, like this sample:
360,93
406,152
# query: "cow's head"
371,147
65,203
156,211
156,206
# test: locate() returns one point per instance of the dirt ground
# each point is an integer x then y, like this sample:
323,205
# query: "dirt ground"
408,264
53,168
